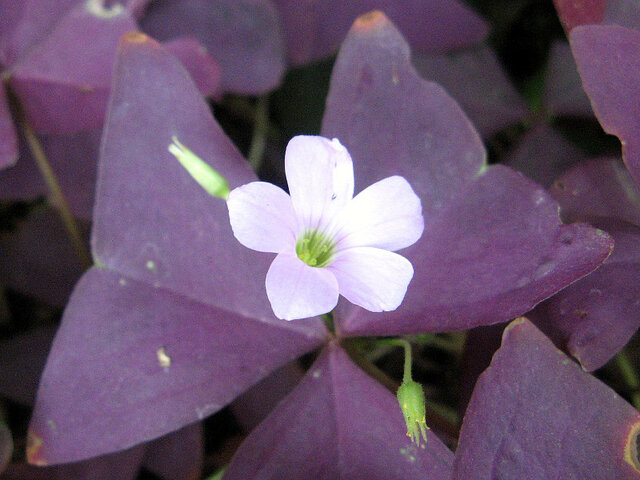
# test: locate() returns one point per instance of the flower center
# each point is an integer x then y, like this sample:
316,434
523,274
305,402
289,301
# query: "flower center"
315,249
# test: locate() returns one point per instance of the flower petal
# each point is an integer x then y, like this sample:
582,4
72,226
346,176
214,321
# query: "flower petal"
262,217
320,177
297,290
387,214
373,278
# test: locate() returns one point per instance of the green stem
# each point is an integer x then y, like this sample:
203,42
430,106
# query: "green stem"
58,198
401,342
260,129
630,376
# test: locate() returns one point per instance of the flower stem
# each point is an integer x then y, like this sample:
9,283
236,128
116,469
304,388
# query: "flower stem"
58,198
401,342
260,129
630,376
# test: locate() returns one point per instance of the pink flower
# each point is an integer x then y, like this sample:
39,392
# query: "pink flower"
328,241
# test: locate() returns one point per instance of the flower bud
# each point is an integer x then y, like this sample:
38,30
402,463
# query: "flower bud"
411,399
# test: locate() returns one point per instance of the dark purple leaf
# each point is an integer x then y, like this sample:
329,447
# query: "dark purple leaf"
25,23
6,446
38,258
589,12
475,79
596,316
598,188
70,68
316,29
132,362
118,466
542,154
563,93
174,322
177,456
8,134
242,36
22,360
73,159
608,59
535,414
203,69
254,405
339,423
493,244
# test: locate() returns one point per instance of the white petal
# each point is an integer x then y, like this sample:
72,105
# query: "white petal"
373,278
297,290
262,217
320,178
387,214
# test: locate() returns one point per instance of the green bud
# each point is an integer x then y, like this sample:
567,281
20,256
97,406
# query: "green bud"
411,399
214,183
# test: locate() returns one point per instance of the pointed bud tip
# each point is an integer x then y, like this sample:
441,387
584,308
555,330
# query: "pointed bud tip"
370,21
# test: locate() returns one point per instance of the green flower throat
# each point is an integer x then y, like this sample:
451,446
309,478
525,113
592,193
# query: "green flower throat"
315,249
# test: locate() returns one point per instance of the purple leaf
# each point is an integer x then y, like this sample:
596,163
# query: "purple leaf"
177,456
23,24
144,357
22,360
475,79
597,315
563,93
38,258
204,71
493,244
6,446
173,293
68,66
598,188
608,59
8,134
316,29
254,405
119,466
242,36
542,154
338,423
534,414
625,13
73,159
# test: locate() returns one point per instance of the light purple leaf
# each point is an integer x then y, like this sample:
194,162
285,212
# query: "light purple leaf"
8,134
242,36
314,30
173,293
39,259
476,80
608,59
493,245
338,423
597,315
563,93
71,67
542,154
535,414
